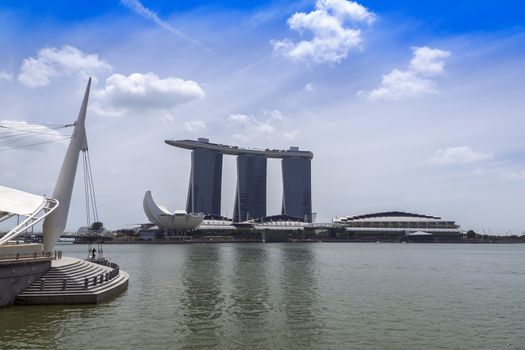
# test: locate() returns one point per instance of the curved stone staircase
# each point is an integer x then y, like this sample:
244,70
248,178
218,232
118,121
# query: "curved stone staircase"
75,281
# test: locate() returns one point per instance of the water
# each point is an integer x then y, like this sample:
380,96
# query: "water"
293,296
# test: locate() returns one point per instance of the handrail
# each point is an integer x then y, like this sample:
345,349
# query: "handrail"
93,280
106,277
29,255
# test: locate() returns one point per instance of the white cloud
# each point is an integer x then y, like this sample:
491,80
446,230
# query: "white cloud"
344,10
239,118
414,82
269,127
19,134
195,126
247,128
144,91
332,36
53,62
147,13
399,85
309,87
137,7
428,61
458,155
6,75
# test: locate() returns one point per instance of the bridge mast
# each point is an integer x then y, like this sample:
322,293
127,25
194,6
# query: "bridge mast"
55,223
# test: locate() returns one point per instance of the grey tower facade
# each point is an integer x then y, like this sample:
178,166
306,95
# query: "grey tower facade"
297,188
204,192
250,199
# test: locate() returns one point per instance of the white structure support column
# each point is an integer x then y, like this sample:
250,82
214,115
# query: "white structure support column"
55,223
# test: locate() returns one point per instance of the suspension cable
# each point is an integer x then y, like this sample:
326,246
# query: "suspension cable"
86,193
35,144
94,198
89,189
13,134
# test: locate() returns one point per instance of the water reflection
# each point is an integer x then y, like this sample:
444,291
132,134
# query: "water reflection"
300,294
250,294
202,299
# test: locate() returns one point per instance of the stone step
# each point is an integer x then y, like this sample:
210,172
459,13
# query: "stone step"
80,273
70,283
74,271
78,278
74,289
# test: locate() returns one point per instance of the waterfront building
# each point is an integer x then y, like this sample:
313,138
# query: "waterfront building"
250,200
177,221
399,224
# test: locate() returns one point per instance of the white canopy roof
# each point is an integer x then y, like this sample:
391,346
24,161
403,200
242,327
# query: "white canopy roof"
19,202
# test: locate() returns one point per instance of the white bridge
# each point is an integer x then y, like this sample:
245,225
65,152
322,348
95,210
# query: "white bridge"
52,210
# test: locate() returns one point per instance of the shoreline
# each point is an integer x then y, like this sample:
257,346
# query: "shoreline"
298,241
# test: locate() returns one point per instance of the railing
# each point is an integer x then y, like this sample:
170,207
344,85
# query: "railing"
30,255
93,281
105,277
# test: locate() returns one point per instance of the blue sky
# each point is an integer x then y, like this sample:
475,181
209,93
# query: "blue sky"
407,105
447,16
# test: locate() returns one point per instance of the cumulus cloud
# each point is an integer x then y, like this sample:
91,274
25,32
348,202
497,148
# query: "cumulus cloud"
427,61
144,91
55,62
334,26
458,155
416,80
6,75
195,126
398,85
19,134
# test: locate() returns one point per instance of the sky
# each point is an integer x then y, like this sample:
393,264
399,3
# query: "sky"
413,106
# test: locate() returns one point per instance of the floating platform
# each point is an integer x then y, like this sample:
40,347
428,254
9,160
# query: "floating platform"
75,281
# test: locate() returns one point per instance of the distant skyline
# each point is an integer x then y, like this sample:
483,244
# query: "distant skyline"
408,105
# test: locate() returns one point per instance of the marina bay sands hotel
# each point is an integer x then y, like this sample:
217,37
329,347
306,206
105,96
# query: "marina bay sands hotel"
204,192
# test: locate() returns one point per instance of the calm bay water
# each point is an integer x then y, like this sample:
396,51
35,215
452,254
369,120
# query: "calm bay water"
293,296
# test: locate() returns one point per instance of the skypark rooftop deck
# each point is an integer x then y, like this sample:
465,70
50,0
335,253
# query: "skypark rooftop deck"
202,143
